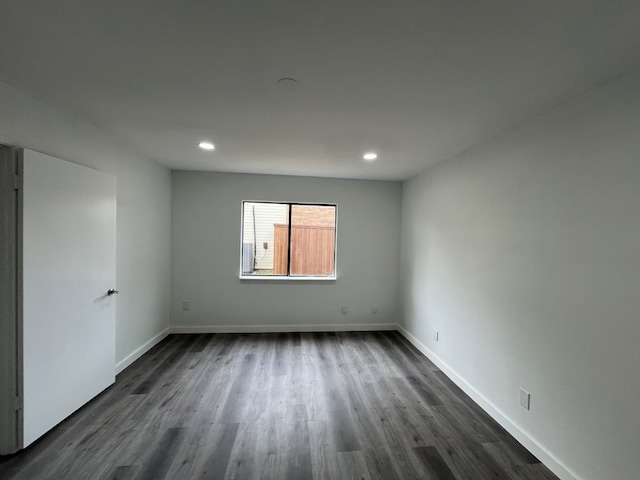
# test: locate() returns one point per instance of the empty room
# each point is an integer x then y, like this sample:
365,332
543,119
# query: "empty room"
290,239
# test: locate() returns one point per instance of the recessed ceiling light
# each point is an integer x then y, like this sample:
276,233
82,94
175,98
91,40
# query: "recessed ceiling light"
207,146
370,156
288,83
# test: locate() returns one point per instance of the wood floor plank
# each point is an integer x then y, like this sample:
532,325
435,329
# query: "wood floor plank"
352,466
297,449
125,472
338,410
201,343
505,454
237,395
205,453
324,458
163,453
470,461
319,406
162,369
534,472
434,463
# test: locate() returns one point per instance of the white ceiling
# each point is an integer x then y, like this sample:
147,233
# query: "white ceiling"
417,81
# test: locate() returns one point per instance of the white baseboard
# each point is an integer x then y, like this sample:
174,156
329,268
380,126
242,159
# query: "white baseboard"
355,327
138,352
530,443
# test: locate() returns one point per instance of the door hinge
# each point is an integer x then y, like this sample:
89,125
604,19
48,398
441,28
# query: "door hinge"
16,182
18,404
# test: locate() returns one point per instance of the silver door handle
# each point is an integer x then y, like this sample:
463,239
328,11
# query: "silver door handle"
112,291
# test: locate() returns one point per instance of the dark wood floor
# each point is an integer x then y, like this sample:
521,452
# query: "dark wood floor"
279,406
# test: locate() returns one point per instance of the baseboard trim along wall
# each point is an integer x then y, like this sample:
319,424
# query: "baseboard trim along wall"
546,457
359,327
138,352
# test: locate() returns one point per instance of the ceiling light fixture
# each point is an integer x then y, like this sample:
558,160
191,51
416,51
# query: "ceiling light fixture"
288,83
370,156
207,146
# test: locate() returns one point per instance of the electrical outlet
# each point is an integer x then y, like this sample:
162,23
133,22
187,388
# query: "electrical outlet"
436,335
374,310
345,310
525,399
186,304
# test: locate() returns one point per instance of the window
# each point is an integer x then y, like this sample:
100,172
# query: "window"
288,240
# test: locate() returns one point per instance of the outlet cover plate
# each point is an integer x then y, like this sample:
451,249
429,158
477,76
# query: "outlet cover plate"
525,399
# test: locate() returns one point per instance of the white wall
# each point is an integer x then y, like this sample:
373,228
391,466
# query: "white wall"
206,255
143,210
525,254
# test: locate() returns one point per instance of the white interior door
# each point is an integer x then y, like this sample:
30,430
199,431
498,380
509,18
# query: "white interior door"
69,258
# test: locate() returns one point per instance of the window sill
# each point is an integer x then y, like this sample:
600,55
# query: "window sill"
279,278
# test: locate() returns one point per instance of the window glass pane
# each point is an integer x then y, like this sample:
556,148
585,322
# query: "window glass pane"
265,237
312,240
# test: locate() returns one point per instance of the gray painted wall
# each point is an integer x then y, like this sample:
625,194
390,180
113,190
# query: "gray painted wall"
525,254
206,254
143,204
